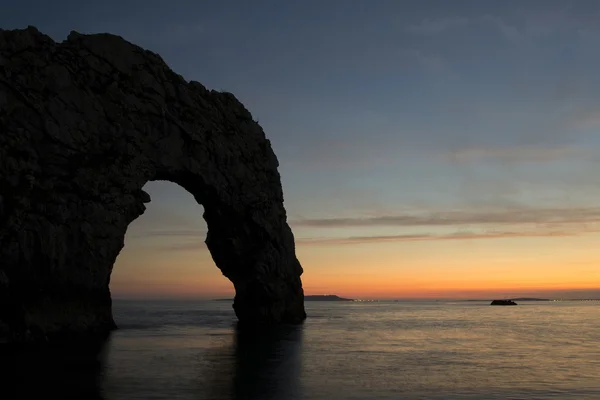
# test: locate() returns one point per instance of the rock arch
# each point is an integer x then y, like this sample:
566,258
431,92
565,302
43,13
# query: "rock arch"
84,124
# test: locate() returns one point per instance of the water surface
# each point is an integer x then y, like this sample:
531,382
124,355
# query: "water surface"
437,350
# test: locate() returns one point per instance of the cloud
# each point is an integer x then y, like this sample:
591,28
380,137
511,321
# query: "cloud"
541,23
179,247
510,32
157,215
435,26
588,120
363,239
522,222
531,25
431,62
355,240
543,231
182,232
522,154
193,239
510,216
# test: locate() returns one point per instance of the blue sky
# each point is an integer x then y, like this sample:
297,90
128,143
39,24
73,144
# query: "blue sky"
379,109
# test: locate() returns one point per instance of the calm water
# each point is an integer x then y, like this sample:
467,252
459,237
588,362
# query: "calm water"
441,350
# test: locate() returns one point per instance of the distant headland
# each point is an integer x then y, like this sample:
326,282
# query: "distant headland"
325,297
315,297
528,299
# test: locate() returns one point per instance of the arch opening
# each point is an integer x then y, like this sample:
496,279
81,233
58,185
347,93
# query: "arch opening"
165,256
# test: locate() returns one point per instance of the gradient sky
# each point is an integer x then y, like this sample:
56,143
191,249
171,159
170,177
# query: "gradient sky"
427,148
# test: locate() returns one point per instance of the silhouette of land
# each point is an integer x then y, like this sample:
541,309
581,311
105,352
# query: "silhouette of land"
503,303
316,297
529,299
325,297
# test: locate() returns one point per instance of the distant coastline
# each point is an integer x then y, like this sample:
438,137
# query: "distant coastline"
338,298
316,297
325,297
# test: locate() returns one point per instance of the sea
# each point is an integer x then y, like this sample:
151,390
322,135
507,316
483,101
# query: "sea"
194,350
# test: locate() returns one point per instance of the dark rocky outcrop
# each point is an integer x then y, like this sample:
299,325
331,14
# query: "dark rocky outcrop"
503,303
84,125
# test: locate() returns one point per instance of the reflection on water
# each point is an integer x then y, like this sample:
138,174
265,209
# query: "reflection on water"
268,364
214,359
257,365
261,364
450,351
66,371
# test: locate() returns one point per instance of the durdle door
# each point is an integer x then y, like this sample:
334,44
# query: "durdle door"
84,125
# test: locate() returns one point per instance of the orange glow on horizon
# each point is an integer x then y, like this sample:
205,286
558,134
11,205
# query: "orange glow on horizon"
461,269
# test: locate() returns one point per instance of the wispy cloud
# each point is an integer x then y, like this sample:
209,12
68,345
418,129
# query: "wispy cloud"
199,246
522,154
159,217
529,25
355,240
520,223
193,239
542,231
435,26
431,62
521,26
175,232
556,216
507,30
588,120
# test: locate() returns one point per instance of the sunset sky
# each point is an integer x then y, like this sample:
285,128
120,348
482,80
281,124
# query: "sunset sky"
428,149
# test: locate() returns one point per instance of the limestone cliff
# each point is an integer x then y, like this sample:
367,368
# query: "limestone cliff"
84,125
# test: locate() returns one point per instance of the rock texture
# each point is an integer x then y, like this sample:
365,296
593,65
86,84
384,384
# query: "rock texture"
84,125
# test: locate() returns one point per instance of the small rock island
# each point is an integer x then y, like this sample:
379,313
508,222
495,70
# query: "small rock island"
503,303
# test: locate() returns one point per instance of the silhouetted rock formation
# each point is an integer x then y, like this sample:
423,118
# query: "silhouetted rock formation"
503,303
84,125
